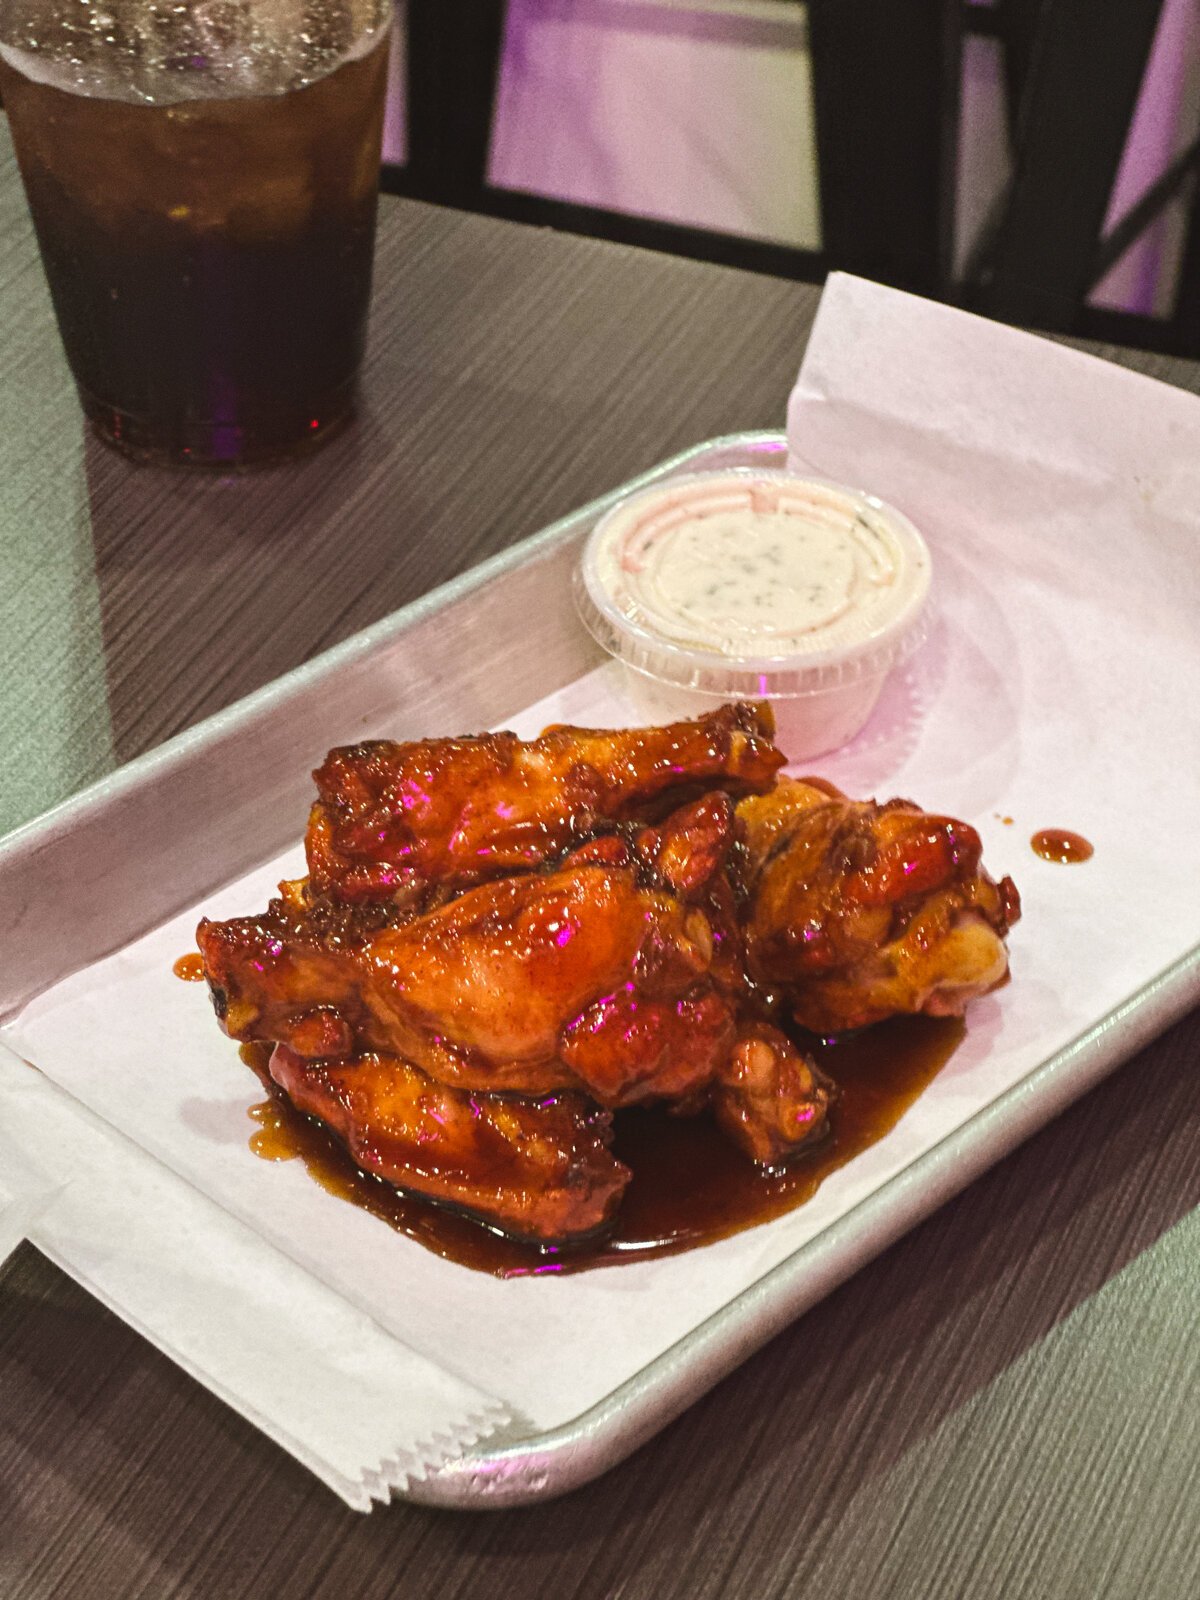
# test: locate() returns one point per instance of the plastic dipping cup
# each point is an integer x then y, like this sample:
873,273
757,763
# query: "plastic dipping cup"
748,585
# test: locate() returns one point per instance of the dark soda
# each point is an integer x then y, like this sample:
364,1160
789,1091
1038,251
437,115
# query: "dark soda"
209,260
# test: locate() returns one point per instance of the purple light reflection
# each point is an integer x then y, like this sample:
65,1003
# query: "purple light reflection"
412,795
225,442
543,1267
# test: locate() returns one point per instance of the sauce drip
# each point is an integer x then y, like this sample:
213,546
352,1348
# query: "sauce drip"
190,967
690,1186
1059,844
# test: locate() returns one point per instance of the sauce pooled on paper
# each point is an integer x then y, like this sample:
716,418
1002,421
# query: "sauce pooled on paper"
690,1186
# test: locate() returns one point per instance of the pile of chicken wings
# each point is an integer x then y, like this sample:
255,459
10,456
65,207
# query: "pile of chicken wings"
500,942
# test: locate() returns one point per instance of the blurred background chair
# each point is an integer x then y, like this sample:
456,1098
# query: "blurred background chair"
888,115
1075,71
453,62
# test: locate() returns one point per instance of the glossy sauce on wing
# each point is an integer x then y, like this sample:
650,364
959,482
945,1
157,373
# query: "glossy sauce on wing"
690,1185
1060,844
190,967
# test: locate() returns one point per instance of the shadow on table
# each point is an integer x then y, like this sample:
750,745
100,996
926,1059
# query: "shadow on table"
212,584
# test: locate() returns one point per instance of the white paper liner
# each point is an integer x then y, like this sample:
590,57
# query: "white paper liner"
317,1376
1060,498
26,1193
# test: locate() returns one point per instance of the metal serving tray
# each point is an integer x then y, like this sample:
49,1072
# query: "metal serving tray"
221,798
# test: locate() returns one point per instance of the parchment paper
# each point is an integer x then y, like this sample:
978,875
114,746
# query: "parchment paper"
1060,499
312,1372
25,1195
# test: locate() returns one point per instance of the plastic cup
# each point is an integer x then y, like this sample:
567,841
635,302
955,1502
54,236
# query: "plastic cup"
750,585
203,182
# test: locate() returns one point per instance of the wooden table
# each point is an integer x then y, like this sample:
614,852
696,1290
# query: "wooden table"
1003,1404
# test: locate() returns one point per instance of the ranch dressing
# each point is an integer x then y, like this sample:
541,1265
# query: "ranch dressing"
765,568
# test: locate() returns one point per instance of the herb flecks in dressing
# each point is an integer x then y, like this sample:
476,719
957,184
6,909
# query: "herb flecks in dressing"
759,573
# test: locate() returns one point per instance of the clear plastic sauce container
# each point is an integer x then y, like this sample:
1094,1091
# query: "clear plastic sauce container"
756,585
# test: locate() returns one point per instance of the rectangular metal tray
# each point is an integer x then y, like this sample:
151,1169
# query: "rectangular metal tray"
466,657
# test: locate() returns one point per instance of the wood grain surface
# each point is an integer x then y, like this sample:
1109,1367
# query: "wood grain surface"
1004,1404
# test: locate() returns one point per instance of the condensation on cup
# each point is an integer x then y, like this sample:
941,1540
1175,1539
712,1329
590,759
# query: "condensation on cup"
203,182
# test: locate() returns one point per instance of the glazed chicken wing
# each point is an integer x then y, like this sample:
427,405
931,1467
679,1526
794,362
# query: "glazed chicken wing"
770,1098
580,976
500,942
858,911
536,1168
393,819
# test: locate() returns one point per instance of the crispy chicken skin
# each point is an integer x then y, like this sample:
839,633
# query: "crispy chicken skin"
858,911
393,819
501,942
536,1168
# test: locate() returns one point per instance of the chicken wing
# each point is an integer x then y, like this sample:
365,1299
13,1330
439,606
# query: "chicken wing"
858,911
535,1168
500,942
580,976
769,1098
393,819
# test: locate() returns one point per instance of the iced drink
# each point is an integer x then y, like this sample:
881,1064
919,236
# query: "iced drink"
208,250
